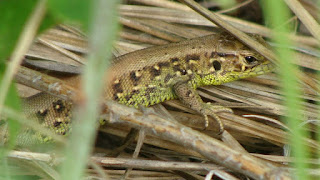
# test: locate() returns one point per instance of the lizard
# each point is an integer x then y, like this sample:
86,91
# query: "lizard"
174,71
159,73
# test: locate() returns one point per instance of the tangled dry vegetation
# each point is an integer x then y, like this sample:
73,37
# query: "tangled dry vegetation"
254,143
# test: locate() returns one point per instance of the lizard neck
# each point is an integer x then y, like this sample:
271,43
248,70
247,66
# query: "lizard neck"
196,81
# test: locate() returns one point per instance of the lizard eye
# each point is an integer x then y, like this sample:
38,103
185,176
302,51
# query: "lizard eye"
250,59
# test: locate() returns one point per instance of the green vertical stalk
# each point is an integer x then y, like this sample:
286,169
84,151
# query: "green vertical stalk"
102,33
318,99
276,14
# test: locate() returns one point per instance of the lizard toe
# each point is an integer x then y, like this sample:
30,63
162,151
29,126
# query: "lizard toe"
217,108
211,110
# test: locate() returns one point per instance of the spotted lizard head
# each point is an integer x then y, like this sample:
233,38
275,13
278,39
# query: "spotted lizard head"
232,60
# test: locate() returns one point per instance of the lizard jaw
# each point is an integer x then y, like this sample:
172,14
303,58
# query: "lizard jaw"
213,79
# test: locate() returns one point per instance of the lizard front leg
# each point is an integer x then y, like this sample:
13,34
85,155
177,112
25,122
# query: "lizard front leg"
189,96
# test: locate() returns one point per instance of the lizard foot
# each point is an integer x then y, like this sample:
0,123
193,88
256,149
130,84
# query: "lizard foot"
210,110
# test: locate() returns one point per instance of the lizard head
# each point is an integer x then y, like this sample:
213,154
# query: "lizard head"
232,60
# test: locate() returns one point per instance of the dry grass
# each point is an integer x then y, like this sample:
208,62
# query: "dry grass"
255,137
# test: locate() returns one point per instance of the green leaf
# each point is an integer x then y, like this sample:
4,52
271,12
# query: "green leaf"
71,10
14,14
47,22
13,19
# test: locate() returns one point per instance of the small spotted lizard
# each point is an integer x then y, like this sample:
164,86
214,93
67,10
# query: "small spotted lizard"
173,71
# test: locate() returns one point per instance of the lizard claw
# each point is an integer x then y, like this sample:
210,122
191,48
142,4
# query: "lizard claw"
211,110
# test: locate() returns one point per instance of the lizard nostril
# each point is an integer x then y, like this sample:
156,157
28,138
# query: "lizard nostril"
216,65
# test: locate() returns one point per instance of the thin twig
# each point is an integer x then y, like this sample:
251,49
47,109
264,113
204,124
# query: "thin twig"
210,148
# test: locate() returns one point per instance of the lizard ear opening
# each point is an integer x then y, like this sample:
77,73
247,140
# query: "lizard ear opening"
216,65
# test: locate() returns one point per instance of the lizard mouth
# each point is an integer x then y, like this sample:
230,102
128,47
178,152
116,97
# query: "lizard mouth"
257,70
260,69
225,76
264,68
